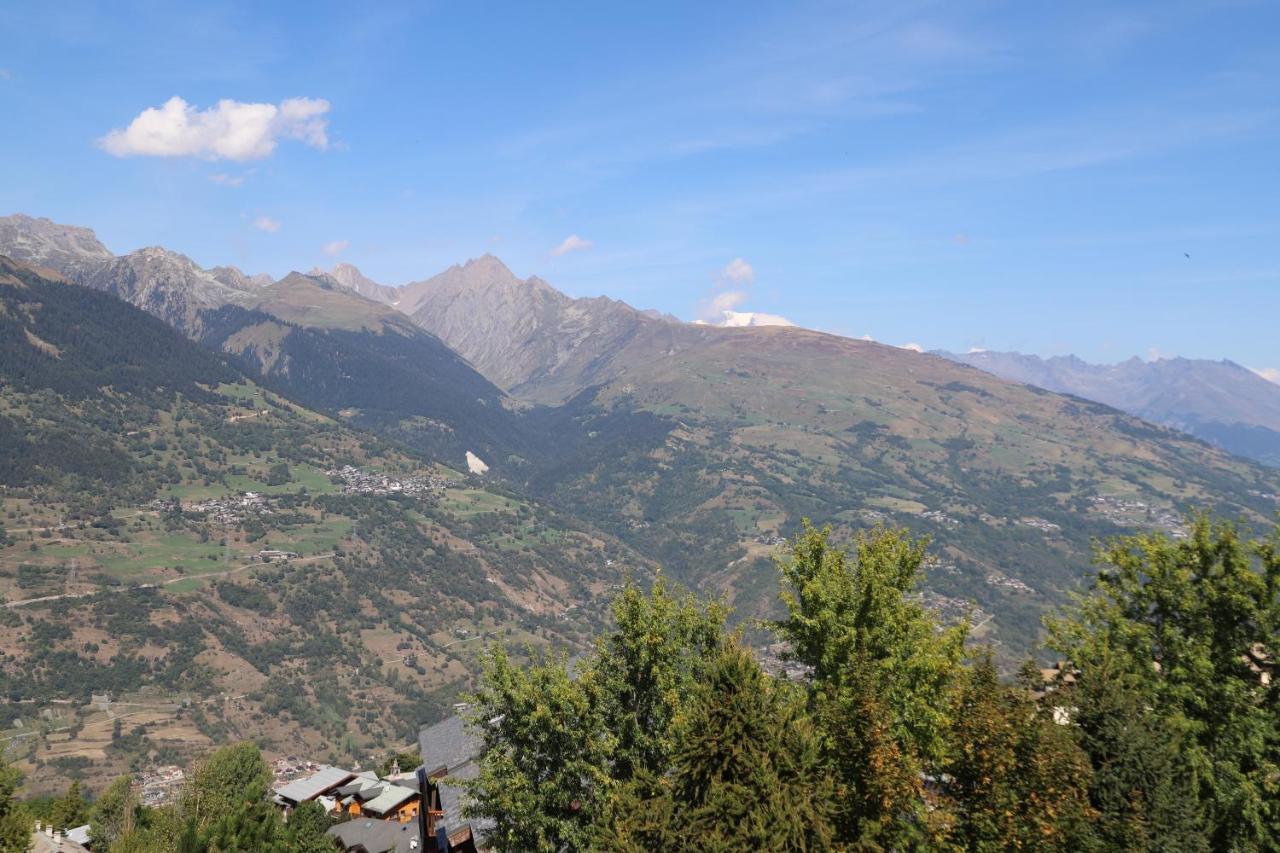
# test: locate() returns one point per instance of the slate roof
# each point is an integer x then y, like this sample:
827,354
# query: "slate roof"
449,742
377,836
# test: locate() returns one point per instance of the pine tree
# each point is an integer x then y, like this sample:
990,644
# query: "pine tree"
1016,780
747,775
15,823
70,810
306,829
114,814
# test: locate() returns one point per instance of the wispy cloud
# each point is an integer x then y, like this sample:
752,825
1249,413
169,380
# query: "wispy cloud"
266,223
337,247
1271,374
5,75
572,243
228,180
738,271
231,130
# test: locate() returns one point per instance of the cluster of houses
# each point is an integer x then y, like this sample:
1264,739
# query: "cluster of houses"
229,510
1005,582
1127,512
420,810
356,481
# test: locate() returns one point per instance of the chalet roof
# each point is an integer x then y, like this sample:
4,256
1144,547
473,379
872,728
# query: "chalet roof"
310,787
389,797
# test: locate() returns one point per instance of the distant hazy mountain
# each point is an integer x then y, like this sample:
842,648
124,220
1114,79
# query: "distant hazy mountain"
1218,401
234,277
350,277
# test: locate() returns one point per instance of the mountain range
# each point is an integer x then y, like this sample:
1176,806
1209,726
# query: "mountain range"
1219,401
697,446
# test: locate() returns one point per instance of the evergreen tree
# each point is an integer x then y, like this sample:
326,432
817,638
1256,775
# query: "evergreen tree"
114,814
747,775
70,810
1142,787
306,829
1016,780
224,806
15,823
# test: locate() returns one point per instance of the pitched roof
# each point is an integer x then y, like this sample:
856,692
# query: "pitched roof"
388,798
310,787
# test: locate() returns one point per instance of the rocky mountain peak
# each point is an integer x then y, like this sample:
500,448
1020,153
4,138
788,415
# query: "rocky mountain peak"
70,250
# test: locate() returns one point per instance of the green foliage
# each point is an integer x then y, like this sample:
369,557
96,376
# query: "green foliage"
114,814
15,823
70,810
1179,629
305,832
647,667
748,774
224,807
543,777
882,676
842,611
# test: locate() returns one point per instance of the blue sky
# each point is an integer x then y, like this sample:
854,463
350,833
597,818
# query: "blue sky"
1011,175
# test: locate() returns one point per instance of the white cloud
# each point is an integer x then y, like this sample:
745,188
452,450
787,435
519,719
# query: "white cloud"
337,247
266,223
752,318
228,180
732,288
738,271
913,346
1271,374
572,243
229,131
5,75
976,350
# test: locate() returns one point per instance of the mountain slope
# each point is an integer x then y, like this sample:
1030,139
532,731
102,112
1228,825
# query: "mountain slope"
1218,401
755,428
150,494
